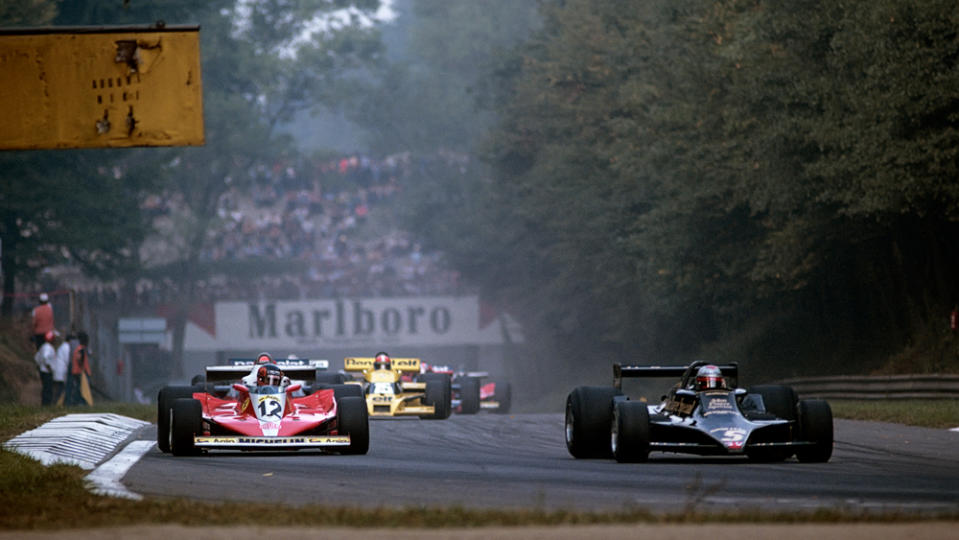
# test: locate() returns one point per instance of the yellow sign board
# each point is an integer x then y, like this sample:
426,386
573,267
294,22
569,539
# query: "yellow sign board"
83,87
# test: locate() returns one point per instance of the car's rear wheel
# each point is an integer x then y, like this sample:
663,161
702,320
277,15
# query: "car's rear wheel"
503,395
186,423
630,432
165,399
815,425
353,419
469,395
778,399
439,394
589,412
346,390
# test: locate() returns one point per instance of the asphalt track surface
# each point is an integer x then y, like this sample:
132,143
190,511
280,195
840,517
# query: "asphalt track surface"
520,461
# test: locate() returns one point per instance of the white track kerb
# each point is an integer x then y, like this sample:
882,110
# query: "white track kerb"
86,440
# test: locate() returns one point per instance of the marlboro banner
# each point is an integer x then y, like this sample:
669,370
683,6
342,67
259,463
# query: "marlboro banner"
352,322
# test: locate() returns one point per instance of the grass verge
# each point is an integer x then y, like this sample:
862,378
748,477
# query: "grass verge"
931,413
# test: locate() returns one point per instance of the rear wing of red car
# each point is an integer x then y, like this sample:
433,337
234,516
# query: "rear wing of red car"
680,372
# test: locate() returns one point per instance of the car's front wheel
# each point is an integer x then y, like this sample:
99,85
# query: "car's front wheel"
815,426
186,423
439,394
629,437
352,418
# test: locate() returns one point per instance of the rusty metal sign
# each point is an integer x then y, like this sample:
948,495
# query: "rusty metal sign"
94,87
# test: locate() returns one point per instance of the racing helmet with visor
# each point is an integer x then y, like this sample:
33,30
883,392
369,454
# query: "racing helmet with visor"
269,375
710,377
382,361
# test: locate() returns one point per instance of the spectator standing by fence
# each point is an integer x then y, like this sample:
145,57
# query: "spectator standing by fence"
60,368
42,316
78,388
45,358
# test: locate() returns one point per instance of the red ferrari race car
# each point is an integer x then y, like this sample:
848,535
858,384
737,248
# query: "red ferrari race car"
223,413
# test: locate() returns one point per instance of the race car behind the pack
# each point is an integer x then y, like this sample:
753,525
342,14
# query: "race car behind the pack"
224,413
702,414
472,391
388,395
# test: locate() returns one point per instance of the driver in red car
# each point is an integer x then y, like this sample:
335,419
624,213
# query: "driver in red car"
264,358
270,375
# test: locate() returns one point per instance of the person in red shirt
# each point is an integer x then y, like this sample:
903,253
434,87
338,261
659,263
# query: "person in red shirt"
42,320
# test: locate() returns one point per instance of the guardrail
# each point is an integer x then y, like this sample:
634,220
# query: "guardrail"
877,386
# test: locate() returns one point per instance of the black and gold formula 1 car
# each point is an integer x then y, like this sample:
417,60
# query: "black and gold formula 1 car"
388,395
764,423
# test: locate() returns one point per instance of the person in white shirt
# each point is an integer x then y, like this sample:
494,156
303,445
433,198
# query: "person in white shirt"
45,358
60,367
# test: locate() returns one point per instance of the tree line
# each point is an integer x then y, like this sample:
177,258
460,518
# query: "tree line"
756,180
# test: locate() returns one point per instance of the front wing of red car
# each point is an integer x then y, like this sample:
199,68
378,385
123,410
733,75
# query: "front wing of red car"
245,442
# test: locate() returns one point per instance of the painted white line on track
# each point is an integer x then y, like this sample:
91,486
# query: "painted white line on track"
105,480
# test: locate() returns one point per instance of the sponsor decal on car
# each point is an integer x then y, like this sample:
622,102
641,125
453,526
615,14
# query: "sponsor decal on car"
333,440
732,437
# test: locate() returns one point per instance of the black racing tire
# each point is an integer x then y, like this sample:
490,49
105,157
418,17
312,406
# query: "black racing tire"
324,377
165,399
469,394
504,396
630,432
439,394
353,419
198,379
778,399
341,391
815,425
589,413
186,422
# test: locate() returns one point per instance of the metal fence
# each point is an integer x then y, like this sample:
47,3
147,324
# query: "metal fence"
877,387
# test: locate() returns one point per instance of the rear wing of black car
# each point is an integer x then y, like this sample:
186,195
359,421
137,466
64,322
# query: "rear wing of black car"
621,371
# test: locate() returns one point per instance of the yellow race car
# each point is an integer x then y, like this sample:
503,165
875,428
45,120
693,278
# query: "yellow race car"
395,388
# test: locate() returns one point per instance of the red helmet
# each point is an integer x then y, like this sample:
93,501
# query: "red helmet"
269,375
710,377
382,361
264,358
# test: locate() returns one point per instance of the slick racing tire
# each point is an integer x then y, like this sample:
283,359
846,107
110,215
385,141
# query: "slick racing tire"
439,394
589,412
341,391
165,399
186,422
778,399
504,396
815,426
469,394
629,437
353,419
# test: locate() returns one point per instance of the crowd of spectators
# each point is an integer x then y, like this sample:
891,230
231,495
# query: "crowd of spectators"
313,214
